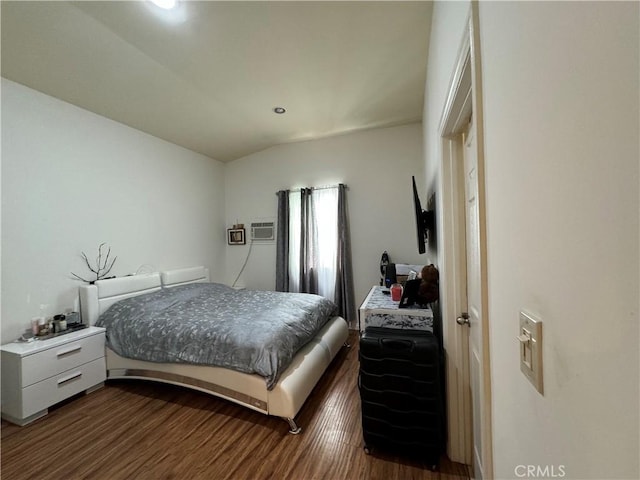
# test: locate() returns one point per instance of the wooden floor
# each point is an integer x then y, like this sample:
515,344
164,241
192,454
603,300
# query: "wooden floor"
144,430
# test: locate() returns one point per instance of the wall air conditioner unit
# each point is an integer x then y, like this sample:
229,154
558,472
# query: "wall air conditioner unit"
263,231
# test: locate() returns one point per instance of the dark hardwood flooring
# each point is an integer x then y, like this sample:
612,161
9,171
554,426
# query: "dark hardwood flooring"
145,430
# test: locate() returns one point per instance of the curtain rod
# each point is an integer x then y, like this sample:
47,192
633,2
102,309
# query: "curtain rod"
324,187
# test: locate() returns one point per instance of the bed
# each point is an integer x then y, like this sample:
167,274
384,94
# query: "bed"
284,398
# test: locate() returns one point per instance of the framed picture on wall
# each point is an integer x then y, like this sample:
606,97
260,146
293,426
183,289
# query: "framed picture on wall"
235,236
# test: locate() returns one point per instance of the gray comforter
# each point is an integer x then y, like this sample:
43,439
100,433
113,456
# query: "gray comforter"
213,324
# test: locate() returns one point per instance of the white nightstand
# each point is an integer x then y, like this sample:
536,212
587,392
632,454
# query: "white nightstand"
42,373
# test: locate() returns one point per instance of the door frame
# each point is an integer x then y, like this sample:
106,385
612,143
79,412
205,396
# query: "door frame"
464,97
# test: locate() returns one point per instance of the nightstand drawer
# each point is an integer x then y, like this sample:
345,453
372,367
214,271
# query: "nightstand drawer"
52,361
41,395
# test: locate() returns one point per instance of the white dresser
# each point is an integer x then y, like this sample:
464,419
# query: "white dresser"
378,310
42,373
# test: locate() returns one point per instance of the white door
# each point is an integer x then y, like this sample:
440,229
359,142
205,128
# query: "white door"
463,288
473,320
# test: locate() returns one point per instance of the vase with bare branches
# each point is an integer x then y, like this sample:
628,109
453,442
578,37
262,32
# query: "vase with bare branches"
102,267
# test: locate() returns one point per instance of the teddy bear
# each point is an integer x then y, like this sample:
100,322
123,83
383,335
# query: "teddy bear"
429,290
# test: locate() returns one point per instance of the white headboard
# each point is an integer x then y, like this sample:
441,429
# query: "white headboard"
182,276
96,298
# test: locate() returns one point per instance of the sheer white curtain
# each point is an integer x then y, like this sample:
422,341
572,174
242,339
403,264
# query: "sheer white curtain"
322,240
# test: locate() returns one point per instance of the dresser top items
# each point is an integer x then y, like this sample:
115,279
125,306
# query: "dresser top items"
28,348
379,310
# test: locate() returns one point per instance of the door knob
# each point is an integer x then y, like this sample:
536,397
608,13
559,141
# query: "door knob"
463,319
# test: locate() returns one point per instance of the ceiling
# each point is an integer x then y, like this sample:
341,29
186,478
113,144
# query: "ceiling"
207,75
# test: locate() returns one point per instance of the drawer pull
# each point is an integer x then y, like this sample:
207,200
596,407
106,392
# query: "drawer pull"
73,376
68,351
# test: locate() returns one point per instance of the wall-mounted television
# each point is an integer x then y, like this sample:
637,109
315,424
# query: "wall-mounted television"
425,220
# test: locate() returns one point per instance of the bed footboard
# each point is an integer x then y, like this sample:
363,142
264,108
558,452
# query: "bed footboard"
308,366
285,400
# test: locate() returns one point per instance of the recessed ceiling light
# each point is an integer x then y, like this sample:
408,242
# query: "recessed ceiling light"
166,4
279,110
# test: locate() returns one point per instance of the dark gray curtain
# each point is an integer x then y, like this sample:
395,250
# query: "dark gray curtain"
308,280
282,242
344,297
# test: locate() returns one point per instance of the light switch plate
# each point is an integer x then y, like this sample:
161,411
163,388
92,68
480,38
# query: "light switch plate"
530,338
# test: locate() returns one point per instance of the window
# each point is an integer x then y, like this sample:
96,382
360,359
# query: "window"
313,251
319,259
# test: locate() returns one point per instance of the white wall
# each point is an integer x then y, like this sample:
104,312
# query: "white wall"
446,32
72,180
376,166
561,122
560,85
444,43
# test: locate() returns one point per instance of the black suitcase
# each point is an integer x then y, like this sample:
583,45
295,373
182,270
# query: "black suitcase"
401,393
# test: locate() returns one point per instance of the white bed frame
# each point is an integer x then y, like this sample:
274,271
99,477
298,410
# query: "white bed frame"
284,400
